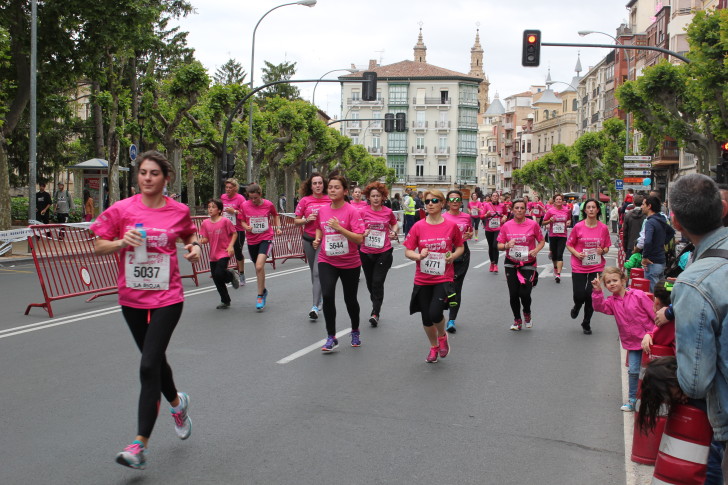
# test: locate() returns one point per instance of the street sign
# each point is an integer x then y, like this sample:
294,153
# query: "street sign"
644,173
633,180
639,158
133,152
636,165
635,187
619,184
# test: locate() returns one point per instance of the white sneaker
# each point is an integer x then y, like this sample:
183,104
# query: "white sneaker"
241,276
182,423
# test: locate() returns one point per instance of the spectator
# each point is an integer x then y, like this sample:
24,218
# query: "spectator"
63,205
633,225
282,203
419,206
657,233
614,217
700,302
88,206
396,203
43,204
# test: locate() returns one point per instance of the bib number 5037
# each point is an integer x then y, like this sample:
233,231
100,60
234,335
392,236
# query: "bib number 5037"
146,271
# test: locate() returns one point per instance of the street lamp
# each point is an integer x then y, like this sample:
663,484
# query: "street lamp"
313,96
582,33
306,3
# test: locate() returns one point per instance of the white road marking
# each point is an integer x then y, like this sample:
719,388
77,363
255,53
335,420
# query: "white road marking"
311,348
403,265
481,264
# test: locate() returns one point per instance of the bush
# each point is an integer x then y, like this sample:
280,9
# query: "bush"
19,210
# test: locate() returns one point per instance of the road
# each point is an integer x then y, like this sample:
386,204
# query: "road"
540,406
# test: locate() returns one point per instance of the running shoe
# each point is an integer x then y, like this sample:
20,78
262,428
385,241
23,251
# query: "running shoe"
629,406
260,301
241,277
432,356
314,313
133,456
491,267
587,328
557,277
331,344
444,346
223,306
236,279
495,268
517,323
374,320
574,312
527,320
355,340
182,422
451,326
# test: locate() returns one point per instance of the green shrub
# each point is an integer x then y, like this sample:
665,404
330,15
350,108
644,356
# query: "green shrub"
19,210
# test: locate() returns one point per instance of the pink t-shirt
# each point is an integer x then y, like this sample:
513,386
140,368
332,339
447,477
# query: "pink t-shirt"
236,202
378,224
359,205
336,250
492,214
475,208
259,218
219,234
558,218
586,240
439,239
309,205
161,274
462,220
537,209
526,235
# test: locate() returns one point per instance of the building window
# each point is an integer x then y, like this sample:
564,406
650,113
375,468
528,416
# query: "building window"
442,169
545,114
376,142
442,143
539,145
444,97
355,95
355,140
574,105
397,94
420,143
468,118
420,167
399,164
467,143
397,142
528,146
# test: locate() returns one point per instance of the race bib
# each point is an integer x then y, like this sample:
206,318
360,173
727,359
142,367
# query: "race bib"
474,212
375,239
259,224
336,245
536,211
518,253
152,275
558,228
494,223
591,258
232,217
434,264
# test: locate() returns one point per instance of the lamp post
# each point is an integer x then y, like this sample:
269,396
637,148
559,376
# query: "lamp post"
307,3
313,96
582,33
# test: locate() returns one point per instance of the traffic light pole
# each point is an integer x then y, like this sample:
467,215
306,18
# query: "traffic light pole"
621,46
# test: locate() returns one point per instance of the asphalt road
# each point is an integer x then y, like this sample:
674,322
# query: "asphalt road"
540,406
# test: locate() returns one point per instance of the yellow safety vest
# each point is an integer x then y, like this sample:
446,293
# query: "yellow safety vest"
410,208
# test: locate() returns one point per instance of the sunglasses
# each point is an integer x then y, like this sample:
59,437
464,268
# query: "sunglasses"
432,201
455,199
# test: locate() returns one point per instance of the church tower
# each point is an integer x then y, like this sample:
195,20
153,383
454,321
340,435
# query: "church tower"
476,70
420,49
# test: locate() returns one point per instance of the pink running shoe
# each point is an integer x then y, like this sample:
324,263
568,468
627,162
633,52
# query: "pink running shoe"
133,456
444,346
432,357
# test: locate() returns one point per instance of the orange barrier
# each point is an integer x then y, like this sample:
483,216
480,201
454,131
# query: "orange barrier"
684,449
68,266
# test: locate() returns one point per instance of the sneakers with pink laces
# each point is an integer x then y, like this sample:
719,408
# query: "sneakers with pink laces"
133,456
432,357
443,346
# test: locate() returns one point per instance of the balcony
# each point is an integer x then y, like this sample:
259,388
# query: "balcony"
419,150
666,157
508,143
465,125
361,102
468,152
507,174
469,102
595,117
430,101
375,126
429,179
442,126
508,126
397,150
397,101
442,151
353,125
419,126
378,151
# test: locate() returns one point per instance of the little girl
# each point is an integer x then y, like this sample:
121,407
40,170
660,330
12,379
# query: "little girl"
221,234
663,335
633,311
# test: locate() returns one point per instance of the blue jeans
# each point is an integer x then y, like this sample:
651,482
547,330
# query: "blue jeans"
654,272
634,359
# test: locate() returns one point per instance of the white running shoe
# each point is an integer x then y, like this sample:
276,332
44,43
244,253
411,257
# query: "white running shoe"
182,423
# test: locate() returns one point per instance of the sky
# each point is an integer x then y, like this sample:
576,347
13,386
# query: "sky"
337,33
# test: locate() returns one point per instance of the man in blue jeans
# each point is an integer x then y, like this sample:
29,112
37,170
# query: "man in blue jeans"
657,232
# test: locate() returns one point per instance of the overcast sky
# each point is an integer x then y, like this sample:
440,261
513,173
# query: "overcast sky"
336,33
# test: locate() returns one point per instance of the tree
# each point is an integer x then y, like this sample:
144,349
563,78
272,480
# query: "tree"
279,72
231,72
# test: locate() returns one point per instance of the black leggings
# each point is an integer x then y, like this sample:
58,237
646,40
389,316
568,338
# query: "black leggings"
375,267
221,276
152,330
492,237
430,300
520,293
328,275
557,244
475,222
582,293
460,266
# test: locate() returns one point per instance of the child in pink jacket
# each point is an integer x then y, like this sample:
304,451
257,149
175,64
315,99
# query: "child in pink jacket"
633,311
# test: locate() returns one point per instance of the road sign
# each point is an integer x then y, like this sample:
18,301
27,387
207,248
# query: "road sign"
619,184
639,158
633,180
636,165
635,187
133,152
644,173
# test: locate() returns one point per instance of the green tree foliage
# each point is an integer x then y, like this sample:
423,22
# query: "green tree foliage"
279,72
231,72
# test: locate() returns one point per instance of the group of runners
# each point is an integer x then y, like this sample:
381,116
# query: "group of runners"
341,238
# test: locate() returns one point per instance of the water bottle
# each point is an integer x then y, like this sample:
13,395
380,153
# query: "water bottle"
140,252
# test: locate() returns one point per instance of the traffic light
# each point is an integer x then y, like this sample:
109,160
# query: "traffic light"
400,122
230,166
389,122
724,152
369,86
531,48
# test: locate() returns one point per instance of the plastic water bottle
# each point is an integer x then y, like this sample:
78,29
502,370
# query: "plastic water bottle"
140,252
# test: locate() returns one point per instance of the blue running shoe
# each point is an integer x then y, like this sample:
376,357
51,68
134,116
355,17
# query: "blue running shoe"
450,326
355,340
260,302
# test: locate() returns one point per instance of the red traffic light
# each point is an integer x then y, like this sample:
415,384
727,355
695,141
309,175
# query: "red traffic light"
532,38
531,48
724,146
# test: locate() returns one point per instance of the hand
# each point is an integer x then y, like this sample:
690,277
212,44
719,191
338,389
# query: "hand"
533,253
132,238
230,210
596,284
312,216
510,244
449,257
230,251
647,343
660,317
334,224
469,234
580,255
392,234
246,227
600,251
365,233
646,261
568,223
316,243
193,255
423,253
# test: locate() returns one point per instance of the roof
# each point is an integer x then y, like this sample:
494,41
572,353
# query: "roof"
410,70
547,97
524,94
96,164
495,108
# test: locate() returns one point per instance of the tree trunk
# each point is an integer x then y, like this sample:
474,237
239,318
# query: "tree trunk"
176,160
191,198
290,188
272,183
98,117
114,148
5,216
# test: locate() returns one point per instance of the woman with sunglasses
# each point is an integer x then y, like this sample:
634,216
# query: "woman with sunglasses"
460,265
588,242
522,239
434,243
376,251
494,214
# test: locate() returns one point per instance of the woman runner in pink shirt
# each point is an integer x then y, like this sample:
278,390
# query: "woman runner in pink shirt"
376,250
356,199
232,203
558,220
494,215
434,243
221,234
463,221
150,293
474,209
339,230
522,239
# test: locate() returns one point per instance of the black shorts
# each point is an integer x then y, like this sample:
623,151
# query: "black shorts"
263,247
238,246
